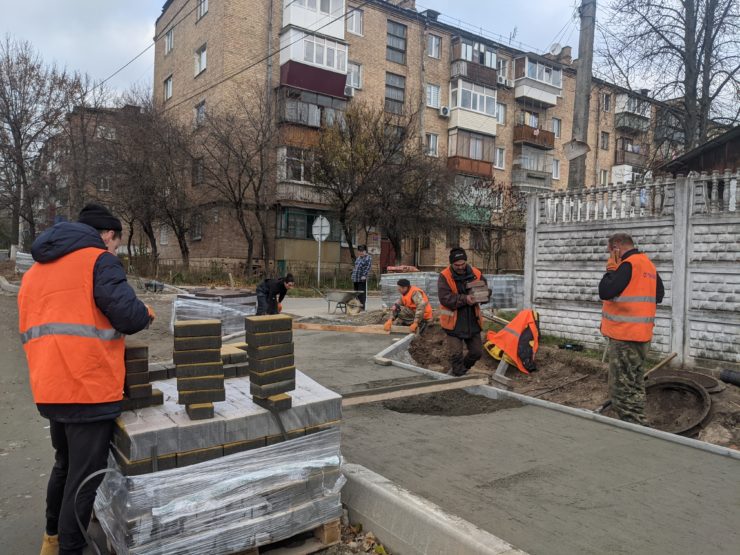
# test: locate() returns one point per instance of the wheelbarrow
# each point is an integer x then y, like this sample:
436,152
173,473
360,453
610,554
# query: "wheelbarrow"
344,301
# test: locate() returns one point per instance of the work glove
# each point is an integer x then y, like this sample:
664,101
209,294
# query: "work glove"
413,327
280,308
388,325
613,262
150,311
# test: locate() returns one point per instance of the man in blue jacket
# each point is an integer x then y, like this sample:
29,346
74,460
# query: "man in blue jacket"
74,308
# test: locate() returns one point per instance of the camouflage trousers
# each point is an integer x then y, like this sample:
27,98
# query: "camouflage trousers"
627,379
405,317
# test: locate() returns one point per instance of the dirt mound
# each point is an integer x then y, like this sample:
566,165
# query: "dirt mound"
363,319
449,403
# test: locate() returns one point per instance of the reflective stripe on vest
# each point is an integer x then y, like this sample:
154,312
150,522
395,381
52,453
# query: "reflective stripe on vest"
512,332
78,330
448,316
631,315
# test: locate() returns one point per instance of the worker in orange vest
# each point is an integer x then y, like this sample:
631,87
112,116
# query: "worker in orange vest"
460,316
630,289
74,307
412,309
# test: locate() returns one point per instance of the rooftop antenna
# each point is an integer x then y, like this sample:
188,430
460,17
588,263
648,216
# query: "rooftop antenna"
512,35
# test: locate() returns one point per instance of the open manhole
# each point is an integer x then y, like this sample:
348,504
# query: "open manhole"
676,405
711,384
449,403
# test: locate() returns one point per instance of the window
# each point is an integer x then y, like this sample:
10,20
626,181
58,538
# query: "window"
298,164
604,140
354,75
555,168
467,144
355,21
432,96
200,60
325,52
453,237
503,68
168,88
603,177
478,53
557,127
606,102
474,97
434,46
546,74
325,6
501,113
200,113
169,41
105,132
164,236
104,185
500,160
478,239
196,228
395,92
525,117
395,50
197,176
430,144
201,9
296,223
426,241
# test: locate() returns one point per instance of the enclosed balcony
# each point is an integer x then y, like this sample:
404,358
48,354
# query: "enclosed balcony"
532,169
534,136
631,114
475,73
537,81
468,166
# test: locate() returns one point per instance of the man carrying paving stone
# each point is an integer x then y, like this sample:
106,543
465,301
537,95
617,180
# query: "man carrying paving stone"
460,314
74,308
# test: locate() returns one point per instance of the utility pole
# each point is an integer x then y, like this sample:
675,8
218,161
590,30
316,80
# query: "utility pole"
577,166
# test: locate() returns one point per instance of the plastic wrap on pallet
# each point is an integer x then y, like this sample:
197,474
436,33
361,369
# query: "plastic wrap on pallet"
507,291
225,505
231,311
23,262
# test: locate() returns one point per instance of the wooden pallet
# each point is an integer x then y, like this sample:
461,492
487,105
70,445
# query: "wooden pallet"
324,536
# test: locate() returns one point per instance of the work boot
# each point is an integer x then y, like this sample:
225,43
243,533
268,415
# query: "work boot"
50,545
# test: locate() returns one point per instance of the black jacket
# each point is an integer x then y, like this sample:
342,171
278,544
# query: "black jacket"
467,324
273,289
614,282
113,296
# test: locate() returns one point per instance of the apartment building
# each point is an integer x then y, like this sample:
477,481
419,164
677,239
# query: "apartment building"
492,111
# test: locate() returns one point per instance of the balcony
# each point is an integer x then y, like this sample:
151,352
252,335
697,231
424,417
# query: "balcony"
301,193
468,166
631,122
311,78
540,138
531,180
474,73
628,158
472,121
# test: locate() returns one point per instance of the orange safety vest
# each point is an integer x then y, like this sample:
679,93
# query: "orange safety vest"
408,301
508,338
448,316
74,353
631,315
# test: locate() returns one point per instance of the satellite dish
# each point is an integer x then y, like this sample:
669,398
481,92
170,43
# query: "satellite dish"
556,49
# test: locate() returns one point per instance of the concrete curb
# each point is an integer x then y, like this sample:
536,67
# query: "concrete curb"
8,287
408,524
382,357
496,393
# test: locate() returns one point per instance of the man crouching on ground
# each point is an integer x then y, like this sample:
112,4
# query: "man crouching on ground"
74,306
460,315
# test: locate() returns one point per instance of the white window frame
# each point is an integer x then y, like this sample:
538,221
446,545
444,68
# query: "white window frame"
355,19
434,45
164,235
501,107
431,88
201,59
200,113
606,105
358,83
557,129
499,158
168,88
502,65
303,157
555,168
477,93
201,9
603,177
169,41
431,144
545,73
316,52
104,185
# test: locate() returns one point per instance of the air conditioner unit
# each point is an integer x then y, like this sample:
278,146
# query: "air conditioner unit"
510,83
501,80
349,91
444,111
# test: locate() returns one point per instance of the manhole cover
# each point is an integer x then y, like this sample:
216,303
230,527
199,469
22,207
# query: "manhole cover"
675,404
712,385
449,403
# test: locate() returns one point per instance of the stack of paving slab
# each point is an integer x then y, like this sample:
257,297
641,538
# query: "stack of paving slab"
137,389
228,305
199,366
234,358
271,360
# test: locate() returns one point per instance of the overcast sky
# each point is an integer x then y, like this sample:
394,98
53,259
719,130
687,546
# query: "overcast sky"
99,36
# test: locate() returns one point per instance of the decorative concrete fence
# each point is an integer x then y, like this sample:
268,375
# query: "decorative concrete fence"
688,226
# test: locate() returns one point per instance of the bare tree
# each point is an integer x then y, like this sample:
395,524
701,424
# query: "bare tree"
687,50
33,101
239,163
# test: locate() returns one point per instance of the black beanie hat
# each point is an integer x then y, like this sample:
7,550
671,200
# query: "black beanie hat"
99,217
458,253
403,283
